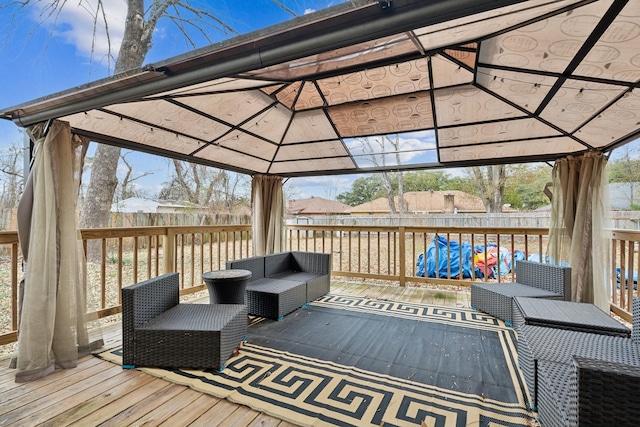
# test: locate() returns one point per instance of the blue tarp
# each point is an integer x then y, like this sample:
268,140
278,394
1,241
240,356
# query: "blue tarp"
537,258
626,278
498,260
446,263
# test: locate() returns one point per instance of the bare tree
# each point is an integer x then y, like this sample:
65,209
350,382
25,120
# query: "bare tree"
205,186
625,170
126,185
396,145
490,181
235,189
137,40
11,175
378,149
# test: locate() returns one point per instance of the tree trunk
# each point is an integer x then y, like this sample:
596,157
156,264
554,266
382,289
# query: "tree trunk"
96,211
490,181
386,178
497,183
102,185
402,203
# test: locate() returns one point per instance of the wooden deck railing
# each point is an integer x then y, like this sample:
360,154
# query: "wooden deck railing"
625,265
390,253
119,257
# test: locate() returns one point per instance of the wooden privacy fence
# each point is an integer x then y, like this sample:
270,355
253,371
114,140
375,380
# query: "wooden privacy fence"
123,256
8,219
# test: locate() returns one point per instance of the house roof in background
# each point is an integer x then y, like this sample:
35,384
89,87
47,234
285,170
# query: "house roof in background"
461,82
317,206
424,202
138,204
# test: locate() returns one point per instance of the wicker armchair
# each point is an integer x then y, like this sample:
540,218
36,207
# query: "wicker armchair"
534,280
158,331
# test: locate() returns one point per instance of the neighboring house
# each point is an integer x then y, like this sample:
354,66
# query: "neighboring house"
138,212
140,205
314,206
425,202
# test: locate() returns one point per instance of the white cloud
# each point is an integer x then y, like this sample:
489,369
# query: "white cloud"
308,11
76,26
327,187
414,147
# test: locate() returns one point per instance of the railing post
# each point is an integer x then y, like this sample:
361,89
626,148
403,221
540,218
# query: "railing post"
402,256
14,287
169,250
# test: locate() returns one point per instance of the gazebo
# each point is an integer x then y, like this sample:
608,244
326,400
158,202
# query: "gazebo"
460,82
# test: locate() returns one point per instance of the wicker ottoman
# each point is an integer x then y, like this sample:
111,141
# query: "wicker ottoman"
275,298
496,298
199,336
575,316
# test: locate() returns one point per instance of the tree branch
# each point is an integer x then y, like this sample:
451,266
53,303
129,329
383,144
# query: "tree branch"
282,6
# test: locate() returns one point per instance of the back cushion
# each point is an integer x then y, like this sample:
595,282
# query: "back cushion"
254,264
277,263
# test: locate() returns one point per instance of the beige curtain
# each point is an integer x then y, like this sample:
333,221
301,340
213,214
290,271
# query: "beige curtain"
53,329
579,218
267,216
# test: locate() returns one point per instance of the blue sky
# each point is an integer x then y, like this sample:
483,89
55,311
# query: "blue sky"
41,59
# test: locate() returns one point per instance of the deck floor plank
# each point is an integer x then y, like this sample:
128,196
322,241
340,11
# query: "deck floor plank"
242,416
7,377
12,389
43,398
60,414
264,420
412,295
146,406
71,380
124,404
184,398
216,415
337,287
390,293
373,292
358,289
100,396
187,415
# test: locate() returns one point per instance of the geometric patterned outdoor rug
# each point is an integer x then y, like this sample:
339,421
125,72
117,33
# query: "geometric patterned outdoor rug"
356,361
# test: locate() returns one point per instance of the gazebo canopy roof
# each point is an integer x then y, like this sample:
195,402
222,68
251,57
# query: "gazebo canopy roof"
380,85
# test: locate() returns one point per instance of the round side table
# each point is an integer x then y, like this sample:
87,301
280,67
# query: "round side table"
226,286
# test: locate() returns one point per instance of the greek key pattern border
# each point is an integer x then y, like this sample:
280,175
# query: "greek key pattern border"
314,392
416,311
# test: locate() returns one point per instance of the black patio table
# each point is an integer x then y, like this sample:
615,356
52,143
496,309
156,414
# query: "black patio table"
227,286
571,315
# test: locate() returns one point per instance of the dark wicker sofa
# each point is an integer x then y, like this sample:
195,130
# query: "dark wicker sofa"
533,280
283,282
578,378
158,331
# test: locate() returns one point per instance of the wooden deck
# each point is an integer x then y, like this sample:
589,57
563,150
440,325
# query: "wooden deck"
97,392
